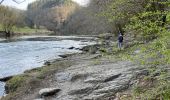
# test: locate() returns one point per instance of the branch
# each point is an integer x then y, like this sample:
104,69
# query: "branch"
18,2
1,1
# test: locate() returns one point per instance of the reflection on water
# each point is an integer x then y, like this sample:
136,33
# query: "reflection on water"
27,53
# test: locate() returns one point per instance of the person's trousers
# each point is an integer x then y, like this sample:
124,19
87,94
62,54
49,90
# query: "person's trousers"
119,45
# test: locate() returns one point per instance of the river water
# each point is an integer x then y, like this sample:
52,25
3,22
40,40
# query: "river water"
24,53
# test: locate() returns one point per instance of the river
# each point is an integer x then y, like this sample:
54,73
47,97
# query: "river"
28,52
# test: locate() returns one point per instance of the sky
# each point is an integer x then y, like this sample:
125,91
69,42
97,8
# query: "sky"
23,5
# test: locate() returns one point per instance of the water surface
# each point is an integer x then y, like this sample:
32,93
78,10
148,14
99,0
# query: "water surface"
29,52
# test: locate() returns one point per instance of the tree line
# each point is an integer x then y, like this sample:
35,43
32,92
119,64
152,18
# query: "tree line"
100,16
10,18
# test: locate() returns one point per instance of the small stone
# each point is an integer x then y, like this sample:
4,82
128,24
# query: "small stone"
48,91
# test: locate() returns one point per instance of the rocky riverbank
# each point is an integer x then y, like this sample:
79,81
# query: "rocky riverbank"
91,75
80,77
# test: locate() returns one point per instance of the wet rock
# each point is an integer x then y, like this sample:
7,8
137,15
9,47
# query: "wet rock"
5,79
48,63
63,56
71,48
48,91
77,48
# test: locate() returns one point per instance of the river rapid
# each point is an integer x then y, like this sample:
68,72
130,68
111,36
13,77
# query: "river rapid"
28,52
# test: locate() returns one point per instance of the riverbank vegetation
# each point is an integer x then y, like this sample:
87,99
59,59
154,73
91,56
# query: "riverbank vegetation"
148,24
13,23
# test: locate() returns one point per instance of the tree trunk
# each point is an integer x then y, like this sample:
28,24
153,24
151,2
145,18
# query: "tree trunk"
8,34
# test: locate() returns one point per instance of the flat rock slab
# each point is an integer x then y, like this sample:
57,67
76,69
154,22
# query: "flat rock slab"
87,81
48,91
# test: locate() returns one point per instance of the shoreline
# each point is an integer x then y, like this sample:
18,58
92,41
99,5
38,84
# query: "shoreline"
84,50
79,75
5,79
32,81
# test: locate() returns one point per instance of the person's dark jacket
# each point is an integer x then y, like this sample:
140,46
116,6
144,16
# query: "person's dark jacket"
120,39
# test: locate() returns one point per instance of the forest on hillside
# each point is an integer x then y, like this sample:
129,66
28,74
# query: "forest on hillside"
59,16
67,17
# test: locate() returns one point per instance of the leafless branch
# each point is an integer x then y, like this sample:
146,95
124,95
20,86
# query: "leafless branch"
18,2
1,1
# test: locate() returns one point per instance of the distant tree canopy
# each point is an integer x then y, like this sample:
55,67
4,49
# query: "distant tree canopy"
67,17
145,18
10,18
100,16
86,21
49,13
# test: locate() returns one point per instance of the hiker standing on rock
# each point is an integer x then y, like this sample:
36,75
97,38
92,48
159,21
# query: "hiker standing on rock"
120,41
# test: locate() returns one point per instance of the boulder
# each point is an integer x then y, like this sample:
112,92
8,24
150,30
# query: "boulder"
48,91
91,48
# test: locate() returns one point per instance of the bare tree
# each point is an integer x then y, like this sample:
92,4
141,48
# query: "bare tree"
17,1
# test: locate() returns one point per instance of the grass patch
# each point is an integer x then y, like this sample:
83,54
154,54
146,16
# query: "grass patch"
29,30
16,82
26,30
